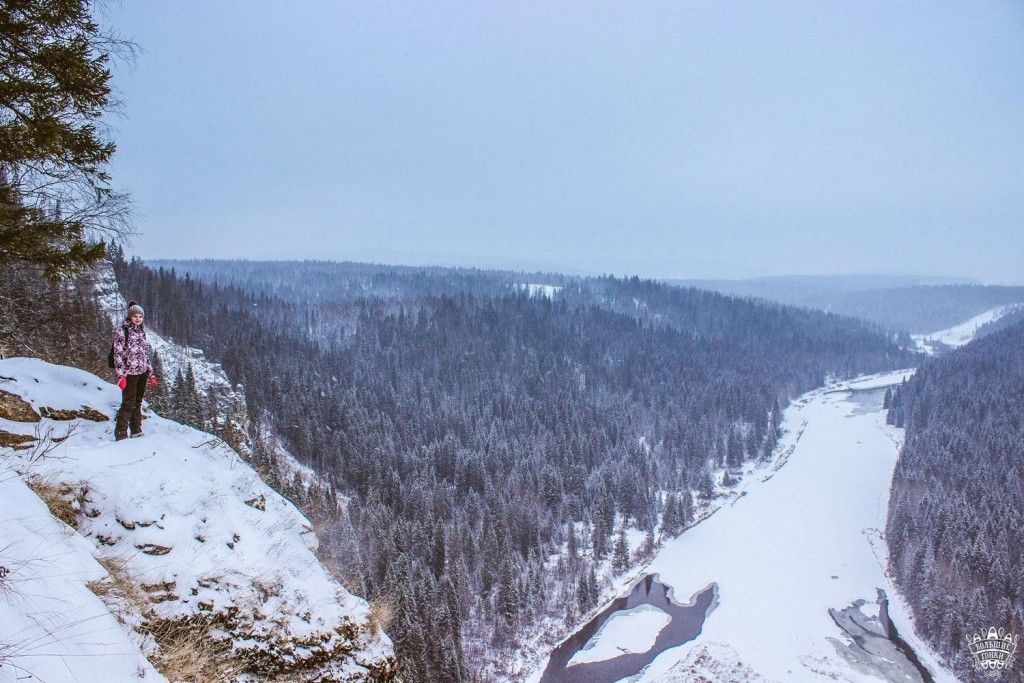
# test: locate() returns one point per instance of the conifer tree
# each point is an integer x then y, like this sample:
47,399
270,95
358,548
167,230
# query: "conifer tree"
598,540
507,599
685,509
586,591
572,550
620,556
669,522
157,396
56,196
648,547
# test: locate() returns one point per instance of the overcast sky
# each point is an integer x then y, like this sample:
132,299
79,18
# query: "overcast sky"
662,139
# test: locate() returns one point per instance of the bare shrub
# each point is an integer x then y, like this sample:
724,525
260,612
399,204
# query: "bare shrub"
46,442
8,569
60,322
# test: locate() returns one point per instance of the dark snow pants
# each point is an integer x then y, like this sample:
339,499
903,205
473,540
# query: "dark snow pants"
130,412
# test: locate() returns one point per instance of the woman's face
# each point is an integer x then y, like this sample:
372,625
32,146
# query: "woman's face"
136,318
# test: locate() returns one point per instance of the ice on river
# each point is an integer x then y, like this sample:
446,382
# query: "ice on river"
625,632
805,540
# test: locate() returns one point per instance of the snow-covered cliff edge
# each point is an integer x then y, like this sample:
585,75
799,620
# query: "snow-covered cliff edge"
172,534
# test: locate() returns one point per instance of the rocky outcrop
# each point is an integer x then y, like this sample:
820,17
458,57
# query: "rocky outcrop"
15,441
83,413
16,409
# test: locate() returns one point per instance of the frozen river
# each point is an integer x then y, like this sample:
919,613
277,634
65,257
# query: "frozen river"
798,561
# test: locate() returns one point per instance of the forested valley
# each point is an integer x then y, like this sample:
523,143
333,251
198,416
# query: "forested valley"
497,434
956,512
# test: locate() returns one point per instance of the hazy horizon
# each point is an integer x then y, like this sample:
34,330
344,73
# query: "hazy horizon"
665,140
925,279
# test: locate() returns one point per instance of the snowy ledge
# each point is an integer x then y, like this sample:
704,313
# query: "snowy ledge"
184,533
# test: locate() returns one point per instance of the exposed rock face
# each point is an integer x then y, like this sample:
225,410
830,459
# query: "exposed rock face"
16,409
15,441
84,413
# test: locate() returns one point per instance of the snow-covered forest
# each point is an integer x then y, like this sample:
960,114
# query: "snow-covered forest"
956,520
617,417
499,447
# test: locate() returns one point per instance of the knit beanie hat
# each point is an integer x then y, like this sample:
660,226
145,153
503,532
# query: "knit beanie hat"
133,308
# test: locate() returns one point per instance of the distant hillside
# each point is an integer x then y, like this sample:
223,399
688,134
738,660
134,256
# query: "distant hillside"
1008,320
811,290
916,305
316,281
927,309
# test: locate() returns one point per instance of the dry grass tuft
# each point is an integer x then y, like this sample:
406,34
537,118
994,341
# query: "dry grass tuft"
10,569
65,501
190,652
119,591
116,566
381,614
187,651
328,552
338,573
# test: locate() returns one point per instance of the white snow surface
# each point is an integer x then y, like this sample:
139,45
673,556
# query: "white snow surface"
182,512
533,289
872,381
633,630
799,542
52,627
958,335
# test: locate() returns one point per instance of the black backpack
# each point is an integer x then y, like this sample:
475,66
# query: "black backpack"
110,356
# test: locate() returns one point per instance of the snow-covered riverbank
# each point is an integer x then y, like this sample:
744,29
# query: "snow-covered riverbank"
803,538
958,335
807,541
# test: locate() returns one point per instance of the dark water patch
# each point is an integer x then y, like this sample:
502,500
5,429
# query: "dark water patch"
902,645
686,624
877,648
866,400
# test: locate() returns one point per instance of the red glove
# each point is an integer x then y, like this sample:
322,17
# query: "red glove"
152,381
122,383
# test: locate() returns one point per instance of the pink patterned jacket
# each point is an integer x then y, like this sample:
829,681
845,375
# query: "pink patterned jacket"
131,351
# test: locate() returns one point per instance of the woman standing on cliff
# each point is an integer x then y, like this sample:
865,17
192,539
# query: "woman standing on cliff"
134,370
